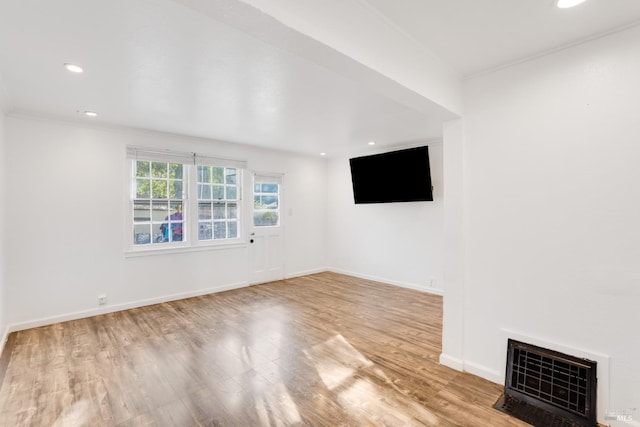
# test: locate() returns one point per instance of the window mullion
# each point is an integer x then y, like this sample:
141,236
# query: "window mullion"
192,183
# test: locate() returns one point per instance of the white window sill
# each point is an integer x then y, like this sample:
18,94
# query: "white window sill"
134,253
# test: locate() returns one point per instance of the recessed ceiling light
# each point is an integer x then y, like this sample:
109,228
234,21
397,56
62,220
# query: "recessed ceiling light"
73,68
564,4
372,143
91,114
323,154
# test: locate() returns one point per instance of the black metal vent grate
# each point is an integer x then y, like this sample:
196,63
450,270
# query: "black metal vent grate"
548,388
558,382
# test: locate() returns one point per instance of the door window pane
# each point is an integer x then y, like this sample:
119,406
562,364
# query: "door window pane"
266,204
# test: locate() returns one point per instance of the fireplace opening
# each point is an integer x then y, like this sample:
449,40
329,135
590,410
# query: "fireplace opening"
548,388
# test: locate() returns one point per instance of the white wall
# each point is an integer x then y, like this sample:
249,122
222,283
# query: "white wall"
552,208
399,243
66,178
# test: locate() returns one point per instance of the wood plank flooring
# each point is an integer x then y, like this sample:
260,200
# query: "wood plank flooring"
319,350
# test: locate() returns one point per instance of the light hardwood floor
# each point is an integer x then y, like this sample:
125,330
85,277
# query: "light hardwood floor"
319,350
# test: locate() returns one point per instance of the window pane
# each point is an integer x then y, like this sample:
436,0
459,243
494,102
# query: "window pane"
204,173
142,234
176,211
159,234
142,188
204,210
230,176
220,230
256,188
175,171
141,211
159,170
204,191
217,175
218,210
159,189
269,202
269,188
265,219
232,192
171,227
232,211
142,168
257,203
160,211
175,189
217,192
205,231
233,229
174,232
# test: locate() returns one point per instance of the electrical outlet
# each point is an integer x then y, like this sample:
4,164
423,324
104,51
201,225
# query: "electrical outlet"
102,299
432,282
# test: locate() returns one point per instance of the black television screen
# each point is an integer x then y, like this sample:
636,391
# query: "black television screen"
398,176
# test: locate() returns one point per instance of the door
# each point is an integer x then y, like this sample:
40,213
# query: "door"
266,241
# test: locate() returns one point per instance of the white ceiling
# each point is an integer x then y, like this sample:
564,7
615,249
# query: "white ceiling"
479,35
156,64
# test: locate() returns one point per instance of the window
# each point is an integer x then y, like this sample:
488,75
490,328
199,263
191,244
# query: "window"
266,201
159,202
217,189
163,214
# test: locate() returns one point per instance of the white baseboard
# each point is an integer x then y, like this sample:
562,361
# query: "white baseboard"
119,307
472,368
484,372
5,337
413,286
305,273
451,362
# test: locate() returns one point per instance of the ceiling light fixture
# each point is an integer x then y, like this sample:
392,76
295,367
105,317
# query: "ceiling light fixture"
323,154
91,114
565,4
73,68
372,143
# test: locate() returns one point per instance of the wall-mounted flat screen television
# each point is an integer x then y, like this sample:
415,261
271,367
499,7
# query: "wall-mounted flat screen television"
398,176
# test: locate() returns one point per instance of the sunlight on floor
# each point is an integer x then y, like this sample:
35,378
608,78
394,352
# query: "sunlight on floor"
336,360
276,408
362,388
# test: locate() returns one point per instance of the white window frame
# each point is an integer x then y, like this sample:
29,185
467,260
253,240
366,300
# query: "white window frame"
190,241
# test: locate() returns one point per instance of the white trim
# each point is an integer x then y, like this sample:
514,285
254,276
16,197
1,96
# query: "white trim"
434,291
547,52
135,253
305,273
451,362
147,154
5,337
472,368
204,160
484,372
603,361
120,307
